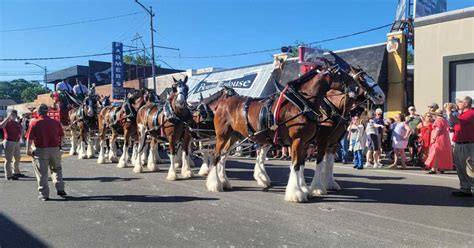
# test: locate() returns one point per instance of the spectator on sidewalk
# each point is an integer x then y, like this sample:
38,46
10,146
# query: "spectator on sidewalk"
440,157
12,134
433,107
46,134
464,145
413,119
373,143
357,141
425,127
400,134
343,149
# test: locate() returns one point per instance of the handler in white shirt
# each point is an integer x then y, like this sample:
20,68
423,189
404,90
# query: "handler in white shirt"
63,86
80,90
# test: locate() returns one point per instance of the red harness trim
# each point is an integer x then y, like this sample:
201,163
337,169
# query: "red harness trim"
276,114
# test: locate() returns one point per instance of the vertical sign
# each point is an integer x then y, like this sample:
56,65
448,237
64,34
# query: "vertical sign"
117,71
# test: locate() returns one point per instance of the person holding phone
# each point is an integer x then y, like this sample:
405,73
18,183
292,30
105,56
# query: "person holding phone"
12,134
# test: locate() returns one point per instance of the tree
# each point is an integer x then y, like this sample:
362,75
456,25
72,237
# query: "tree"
16,89
137,59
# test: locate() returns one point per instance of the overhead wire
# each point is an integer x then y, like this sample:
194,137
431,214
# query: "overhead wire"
69,24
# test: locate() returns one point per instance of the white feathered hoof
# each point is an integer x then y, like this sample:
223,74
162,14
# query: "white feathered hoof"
317,191
122,164
81,155
295,195
113,159
90,152
204,170
171,176
137,169
213,183
333,185
187,173
262,180
101,159
72,152
152,166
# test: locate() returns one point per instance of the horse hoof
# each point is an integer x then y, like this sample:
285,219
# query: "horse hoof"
296,197
121,164
152,167
334,186
204,171
137,169
172,177
187,174
318,192
214,187
101,160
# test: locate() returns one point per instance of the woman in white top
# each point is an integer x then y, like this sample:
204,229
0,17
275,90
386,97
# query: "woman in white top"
400,133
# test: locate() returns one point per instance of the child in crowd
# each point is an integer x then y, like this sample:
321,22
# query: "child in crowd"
400,133
357,140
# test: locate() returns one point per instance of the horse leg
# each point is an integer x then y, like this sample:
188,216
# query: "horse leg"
178,158
172,171
204,170
212,182
90,148
260,174
293,192
222,163
72,151
113,148
317,185
102,145
82,148
126,143
331,184
186,171
151,163
190,153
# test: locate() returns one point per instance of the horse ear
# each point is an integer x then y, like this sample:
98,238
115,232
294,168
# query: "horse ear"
185,79
200,97
175,81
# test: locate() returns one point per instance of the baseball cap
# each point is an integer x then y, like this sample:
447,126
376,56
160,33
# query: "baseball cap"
433,105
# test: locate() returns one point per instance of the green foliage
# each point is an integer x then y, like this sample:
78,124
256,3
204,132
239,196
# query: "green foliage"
21,90
410,57
137,60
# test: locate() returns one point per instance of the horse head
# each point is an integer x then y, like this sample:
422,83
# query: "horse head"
91,106
180,89
150,96
105,101
370,88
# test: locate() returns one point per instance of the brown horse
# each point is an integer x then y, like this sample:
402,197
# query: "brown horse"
83,120
335,117
121,120
168,122
296,120
202,126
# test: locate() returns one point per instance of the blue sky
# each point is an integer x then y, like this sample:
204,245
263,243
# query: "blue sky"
197,28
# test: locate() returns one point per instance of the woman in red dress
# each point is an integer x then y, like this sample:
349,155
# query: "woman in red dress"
424,137
440,157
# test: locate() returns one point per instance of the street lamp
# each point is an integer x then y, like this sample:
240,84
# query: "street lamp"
150,12
45,72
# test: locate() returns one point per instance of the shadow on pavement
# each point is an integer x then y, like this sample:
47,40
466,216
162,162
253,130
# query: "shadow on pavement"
381,190
136,198
102,179
13,235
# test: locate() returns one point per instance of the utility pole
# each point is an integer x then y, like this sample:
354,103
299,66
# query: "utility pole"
150,12
45,77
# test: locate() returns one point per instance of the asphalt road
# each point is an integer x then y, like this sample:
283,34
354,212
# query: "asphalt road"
112,207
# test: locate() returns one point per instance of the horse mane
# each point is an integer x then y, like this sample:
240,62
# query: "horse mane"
306,77
214,97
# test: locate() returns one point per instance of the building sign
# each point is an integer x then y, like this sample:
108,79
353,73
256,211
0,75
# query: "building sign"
117,71
244,82
429,7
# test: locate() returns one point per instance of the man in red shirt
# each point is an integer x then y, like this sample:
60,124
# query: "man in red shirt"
46,134
12,133
464,145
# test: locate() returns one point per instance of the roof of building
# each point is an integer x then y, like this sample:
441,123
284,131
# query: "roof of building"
444,17
371,58
71,72
7,102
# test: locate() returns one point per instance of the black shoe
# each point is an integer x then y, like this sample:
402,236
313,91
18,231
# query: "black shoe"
19,175
62,193
462,194
12,178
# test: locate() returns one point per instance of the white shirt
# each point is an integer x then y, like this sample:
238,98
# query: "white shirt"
63,86
80,89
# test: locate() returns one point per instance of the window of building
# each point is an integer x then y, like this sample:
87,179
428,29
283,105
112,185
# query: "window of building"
461,76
